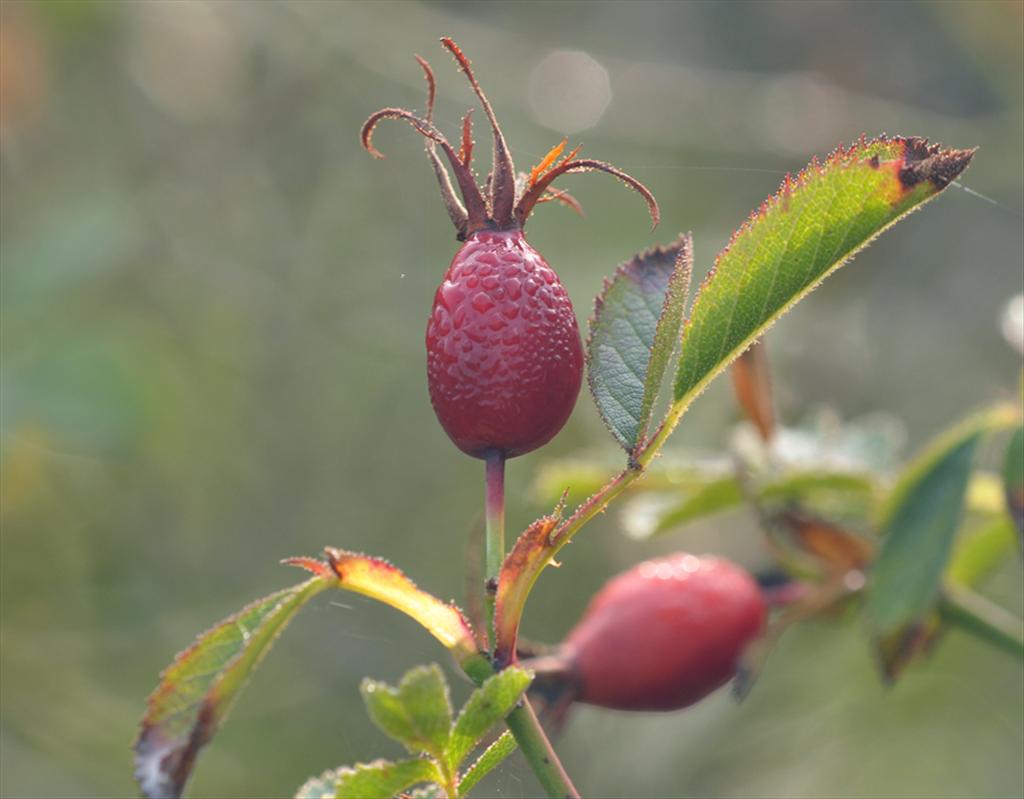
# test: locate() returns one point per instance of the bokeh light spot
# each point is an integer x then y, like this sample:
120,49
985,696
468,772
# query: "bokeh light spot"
569,91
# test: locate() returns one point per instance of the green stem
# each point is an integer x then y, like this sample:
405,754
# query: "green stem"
449,780
539,753
494,540
522,721
599,501
977,615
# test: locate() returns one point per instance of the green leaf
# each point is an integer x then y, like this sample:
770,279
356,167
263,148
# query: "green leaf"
723,493
999,417
980,552
1013,479
383,779
418,713
919,523
633,333
489,759
198,689
716,496
487,705
429,791
322,787
582,478
799,485
576,477
812,226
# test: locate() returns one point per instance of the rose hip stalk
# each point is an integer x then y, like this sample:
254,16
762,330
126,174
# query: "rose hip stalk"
660,636
504,357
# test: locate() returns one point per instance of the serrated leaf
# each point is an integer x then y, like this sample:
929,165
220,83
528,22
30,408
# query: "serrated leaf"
383,779
634,331
429,791
373,778
489,759
487,705
322,787
1013,481
919,524
812,226
380,580
418,713
198,689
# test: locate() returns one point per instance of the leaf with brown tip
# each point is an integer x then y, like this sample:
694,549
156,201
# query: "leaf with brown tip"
198,689
812,226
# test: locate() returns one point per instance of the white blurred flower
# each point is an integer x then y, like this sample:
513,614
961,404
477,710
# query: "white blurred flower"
1012,323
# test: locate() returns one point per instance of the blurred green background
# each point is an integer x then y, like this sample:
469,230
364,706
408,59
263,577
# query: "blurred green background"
213,306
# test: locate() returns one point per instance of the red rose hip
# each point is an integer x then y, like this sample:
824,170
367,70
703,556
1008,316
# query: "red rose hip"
664,634
504,356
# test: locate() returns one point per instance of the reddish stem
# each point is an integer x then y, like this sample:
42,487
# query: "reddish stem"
494,500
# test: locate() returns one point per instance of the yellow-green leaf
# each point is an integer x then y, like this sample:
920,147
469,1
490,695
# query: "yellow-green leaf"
418,713
486,706
383,779
380,580
489,759
979,552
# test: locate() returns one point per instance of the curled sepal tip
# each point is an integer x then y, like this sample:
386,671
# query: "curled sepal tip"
535,193
503,202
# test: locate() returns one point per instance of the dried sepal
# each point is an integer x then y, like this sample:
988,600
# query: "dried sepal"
533,194
466,148
563,197
547,161
506,199
428,75
422,126
501,195
456,210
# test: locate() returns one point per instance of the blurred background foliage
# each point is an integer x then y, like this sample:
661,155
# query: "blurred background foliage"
213,306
